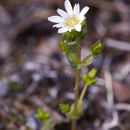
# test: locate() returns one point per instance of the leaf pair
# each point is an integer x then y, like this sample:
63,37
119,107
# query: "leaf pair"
70,111
42,115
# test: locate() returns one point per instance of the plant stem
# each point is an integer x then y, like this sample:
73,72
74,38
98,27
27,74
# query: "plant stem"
87,57
83,92
74,122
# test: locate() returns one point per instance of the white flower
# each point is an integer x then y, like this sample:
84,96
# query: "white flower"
71,19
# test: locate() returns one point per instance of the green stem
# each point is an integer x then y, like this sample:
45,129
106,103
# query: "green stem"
83,92
74,122
87,57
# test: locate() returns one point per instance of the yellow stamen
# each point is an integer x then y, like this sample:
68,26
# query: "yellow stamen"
72,21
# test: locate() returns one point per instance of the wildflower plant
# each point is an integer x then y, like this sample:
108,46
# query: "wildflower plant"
45,118
72,26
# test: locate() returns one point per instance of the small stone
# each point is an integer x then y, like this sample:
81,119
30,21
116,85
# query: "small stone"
3,87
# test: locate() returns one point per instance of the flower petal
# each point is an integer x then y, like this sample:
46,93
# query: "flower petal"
78,27
62,30
56,19
68,7
83,11
81,19
59,25
76,9
62,13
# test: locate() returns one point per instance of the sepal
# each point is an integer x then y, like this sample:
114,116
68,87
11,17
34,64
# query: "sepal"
74,37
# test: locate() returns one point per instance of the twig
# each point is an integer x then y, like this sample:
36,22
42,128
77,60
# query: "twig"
110,124
107,5
120,45
122,106
8,117
34,18
108,84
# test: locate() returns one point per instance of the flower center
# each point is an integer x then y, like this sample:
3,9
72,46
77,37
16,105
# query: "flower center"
71,21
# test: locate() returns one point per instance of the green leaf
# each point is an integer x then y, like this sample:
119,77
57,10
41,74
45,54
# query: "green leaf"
45,118
87,80
97,48
15,86
92,73
80,108
42,115
71,59
65,48
65,108
48,123
84,64
14,114
90,78
84,78
80,111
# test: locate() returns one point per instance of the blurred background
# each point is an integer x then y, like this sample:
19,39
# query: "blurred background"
34,73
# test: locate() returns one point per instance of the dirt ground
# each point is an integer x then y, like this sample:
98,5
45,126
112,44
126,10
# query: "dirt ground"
34,73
